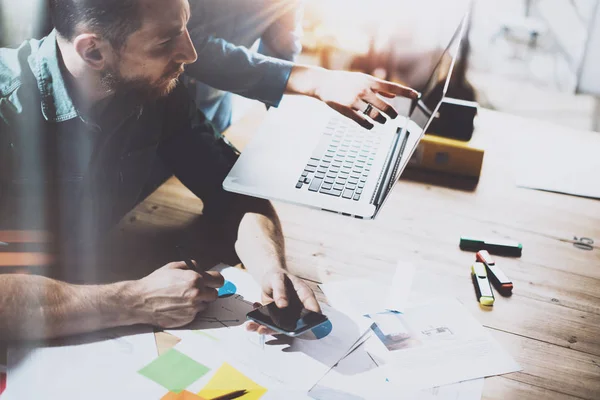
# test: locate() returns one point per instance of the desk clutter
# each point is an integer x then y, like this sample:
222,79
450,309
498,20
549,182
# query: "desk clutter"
485,272
452,156
369,349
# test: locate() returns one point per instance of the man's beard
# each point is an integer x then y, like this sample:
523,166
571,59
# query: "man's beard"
141,87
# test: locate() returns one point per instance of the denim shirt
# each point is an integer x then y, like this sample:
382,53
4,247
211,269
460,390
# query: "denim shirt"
223,31
81,176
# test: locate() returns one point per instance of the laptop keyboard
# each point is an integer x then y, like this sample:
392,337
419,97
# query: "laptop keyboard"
341,162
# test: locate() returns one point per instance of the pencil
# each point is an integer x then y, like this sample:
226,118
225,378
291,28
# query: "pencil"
231,396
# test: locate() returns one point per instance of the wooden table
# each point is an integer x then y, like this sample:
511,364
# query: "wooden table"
551,324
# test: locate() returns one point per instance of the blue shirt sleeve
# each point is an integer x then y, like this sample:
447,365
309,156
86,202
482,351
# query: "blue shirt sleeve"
236,69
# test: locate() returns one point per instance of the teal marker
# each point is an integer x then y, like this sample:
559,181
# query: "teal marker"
493,246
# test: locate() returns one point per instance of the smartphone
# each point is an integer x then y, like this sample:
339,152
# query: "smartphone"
293,320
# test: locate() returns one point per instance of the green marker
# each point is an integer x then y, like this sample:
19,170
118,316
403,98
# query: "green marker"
494,246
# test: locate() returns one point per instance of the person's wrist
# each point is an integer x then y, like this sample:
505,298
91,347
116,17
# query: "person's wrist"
306,80
130,296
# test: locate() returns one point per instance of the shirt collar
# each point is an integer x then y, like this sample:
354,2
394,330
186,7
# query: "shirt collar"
57,105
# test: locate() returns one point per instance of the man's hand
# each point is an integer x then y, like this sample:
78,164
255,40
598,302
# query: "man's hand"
172,295
353,94
283,289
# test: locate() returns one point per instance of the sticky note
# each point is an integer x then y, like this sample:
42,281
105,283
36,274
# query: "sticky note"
185,395
174,370
228,379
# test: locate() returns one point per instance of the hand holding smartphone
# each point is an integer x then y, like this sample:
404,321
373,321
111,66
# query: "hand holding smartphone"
292,320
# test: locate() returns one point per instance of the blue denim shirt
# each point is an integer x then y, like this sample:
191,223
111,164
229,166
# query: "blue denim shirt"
83,173
222,31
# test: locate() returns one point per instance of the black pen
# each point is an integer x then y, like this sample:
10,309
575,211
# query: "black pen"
3,244
231,396
186,259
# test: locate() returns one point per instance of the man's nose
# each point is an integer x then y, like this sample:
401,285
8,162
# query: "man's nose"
187,52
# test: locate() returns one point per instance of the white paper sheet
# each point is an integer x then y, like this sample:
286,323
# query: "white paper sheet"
332,388
97,366
359,296
336,386
437,343
569,164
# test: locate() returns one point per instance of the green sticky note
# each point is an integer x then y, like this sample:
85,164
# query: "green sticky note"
174,370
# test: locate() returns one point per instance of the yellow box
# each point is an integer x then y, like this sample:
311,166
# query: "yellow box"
436,153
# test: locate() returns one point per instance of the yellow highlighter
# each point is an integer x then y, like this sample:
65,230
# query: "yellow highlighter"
483,289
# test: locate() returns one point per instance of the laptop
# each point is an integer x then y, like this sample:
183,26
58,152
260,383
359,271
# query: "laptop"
305,153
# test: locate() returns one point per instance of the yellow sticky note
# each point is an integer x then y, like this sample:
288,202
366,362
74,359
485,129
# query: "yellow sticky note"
228,379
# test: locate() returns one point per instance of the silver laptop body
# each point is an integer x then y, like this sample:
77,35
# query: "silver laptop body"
305,153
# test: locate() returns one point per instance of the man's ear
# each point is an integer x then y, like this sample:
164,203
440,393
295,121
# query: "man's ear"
93,50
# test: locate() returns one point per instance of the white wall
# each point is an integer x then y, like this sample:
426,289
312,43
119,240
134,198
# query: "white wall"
589,78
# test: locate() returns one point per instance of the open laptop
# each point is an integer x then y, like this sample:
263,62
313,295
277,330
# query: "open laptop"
306,153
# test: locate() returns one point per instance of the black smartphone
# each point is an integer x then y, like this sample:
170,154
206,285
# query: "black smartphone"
293,320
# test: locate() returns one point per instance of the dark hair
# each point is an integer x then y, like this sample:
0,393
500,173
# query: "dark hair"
114,20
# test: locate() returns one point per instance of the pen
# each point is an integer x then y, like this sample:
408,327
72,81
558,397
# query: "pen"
3,244
232,395
186,259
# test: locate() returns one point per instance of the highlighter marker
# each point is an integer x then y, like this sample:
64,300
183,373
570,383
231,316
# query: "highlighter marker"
495,274
482,284
499,247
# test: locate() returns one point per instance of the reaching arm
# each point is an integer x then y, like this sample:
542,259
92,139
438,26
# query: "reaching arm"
231,68
236,69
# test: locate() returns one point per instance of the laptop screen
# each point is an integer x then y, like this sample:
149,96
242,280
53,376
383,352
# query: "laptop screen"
436,86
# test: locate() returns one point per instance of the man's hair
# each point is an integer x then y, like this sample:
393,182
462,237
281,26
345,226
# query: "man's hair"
113,20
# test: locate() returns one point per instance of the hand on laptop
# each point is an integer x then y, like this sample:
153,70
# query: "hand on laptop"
283,288
353,94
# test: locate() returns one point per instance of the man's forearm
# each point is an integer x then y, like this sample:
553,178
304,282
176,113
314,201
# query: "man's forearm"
305,80
34,307
260,244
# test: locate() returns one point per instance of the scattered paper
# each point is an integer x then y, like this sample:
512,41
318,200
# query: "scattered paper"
231,371
467,390
359,296
306,358
437,343
95,366
335,386
566,165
